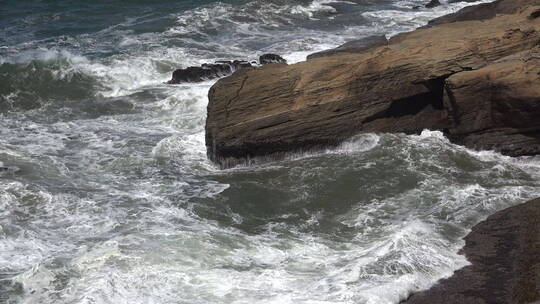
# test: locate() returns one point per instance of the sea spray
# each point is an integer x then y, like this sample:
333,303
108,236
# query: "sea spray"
116,202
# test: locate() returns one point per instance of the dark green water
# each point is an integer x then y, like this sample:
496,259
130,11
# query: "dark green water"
108,197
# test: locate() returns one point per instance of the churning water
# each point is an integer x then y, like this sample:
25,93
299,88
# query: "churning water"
106,194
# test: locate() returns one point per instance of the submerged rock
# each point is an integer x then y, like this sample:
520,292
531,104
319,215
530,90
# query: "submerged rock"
219,69
477,81
504,252
7,169
433,3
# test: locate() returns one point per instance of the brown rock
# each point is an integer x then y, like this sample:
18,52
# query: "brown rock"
456,1
399,87
484,11
504,252
355,46
498,107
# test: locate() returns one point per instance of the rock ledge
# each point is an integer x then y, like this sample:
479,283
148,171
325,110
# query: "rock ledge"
504,252
477,81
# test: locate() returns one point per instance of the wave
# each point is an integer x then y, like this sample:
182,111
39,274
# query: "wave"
34,78
371,222
115,200
118,61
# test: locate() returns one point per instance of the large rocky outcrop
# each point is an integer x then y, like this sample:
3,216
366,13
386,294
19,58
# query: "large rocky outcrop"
478,81
504,252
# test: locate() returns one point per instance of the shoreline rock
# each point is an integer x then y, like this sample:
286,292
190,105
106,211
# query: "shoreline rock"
355,46
450,77
219,69
363,44
504,252
484,11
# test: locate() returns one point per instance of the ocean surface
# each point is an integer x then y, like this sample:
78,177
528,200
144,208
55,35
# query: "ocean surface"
106,194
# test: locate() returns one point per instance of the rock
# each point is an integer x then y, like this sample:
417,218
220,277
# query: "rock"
447,77
457,1
207,71
503,251
535,14
271,58
219,69
433,3
355,46
497,107
484,11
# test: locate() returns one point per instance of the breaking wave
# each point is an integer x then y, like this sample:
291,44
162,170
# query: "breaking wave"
114,201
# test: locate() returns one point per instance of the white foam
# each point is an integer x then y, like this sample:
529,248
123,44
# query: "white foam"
150,229
394,22
359,143
313,7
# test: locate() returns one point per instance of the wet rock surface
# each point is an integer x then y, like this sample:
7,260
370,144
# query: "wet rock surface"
219,69
271,58
207,71
433,3
477,81
504,252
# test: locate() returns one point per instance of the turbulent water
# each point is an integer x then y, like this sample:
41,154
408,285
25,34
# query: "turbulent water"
106,194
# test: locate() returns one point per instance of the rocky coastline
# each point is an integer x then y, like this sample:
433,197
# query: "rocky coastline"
474,77
505,268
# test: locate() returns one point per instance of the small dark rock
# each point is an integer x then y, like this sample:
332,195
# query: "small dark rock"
8,169
534,14
271,58
433,3
219,69
236,64
207,71
239,64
